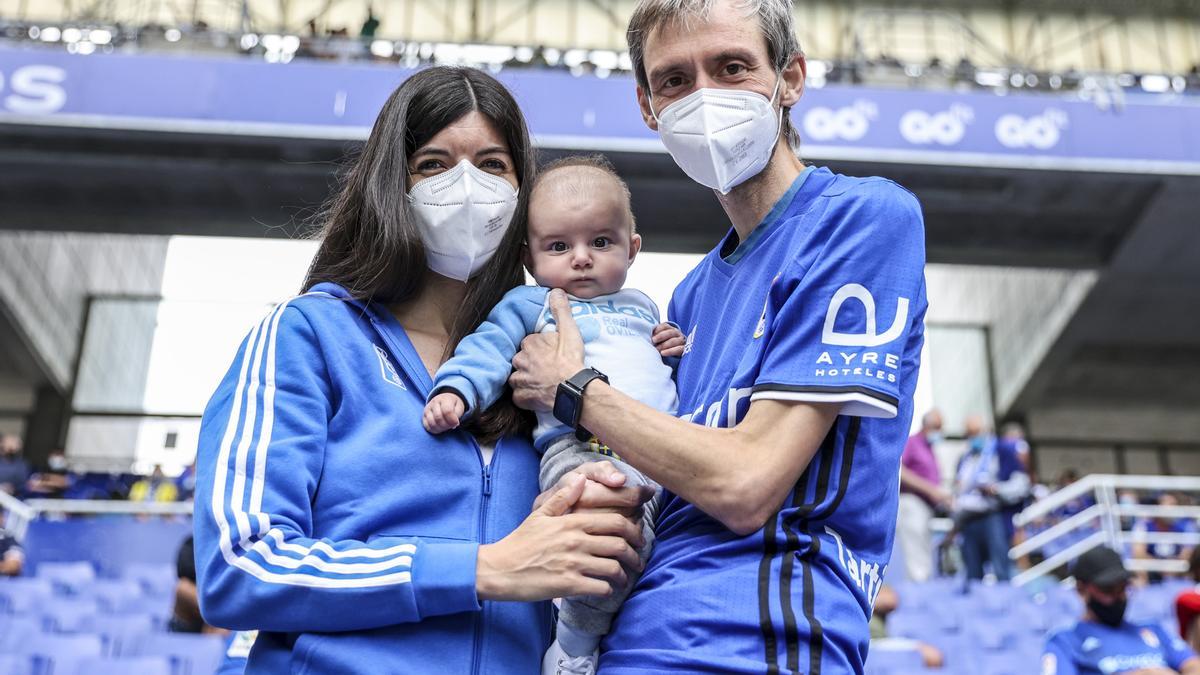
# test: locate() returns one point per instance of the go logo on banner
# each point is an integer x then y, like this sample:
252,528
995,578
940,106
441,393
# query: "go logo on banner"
844,124
943,128
1040,132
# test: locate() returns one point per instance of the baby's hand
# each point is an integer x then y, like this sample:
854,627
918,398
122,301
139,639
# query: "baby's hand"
668,339
443,413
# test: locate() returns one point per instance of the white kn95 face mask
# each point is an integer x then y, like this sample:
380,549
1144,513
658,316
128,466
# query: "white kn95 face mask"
462,215
721,137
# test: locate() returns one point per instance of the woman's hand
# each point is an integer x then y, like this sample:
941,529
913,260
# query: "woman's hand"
546,359
554,554
603,492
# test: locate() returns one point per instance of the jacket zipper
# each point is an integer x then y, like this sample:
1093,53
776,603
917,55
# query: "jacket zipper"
483,513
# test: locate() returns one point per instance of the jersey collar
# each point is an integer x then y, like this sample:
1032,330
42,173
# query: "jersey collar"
769,222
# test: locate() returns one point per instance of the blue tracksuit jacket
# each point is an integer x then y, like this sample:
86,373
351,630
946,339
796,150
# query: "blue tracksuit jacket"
330,520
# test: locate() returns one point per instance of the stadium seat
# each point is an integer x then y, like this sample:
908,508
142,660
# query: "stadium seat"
115,595
144,665
60,653
887,656
157,580
67,615
18,630
189,654
15,664
117,630
67,577
22,596
157,607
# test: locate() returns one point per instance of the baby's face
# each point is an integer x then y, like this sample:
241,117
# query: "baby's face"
580,240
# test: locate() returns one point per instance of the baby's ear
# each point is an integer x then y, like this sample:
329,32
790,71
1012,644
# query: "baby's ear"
526,258
635,246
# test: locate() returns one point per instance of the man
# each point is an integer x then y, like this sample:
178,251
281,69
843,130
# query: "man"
14,470
989,481
1103,642
921,494
804,328
12,556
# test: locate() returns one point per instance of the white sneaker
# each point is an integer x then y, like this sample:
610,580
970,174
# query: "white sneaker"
558,662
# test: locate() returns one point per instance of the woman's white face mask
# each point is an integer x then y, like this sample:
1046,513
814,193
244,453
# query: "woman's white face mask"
462,215
721,137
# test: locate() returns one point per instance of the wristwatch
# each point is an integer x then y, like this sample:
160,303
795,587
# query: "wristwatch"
568,400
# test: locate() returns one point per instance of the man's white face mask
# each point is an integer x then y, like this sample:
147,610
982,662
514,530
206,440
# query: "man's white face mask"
462,215
721,137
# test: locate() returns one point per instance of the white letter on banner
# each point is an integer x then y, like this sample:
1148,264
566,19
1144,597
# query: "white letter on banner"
36,90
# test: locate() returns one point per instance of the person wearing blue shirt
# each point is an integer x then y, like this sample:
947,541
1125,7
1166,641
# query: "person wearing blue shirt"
1103,642
803,328
326,517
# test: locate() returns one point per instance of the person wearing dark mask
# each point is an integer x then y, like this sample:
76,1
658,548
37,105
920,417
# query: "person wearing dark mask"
1103,641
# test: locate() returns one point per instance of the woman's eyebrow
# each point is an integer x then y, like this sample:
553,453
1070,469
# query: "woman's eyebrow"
432,150
493,150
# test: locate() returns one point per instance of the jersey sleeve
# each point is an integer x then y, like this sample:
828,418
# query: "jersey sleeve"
839,323
1056,657
482,360
259,463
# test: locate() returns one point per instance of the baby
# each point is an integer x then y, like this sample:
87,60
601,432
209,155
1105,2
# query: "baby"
581,239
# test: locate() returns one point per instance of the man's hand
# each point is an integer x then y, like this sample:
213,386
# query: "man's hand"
545,360
444,412
668,339
603,492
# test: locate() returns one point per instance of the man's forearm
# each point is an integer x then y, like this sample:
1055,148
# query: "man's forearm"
737,475
919,485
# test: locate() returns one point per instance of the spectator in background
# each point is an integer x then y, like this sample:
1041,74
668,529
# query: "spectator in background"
1187,605
990,480
886,602
1103,642
14,470
1143,546
185,614
154,488
54,481
921,494
186,483
12,556
1014,433
370,26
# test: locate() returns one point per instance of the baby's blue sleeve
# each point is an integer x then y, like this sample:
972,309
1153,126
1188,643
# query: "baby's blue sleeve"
482,361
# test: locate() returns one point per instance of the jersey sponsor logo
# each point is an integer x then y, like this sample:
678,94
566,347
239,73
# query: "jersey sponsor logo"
874,365
387,370
1091,644
868,338
867,576
1121,663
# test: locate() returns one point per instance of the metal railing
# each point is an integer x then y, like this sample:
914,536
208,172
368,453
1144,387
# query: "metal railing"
21,513
1105,523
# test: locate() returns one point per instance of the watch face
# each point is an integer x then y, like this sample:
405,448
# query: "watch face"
565,405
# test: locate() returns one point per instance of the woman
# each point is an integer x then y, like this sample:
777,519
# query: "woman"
326,516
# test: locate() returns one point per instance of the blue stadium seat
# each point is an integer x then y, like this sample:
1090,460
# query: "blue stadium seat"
143,665
115,595
189,654
155,579
21,596
60,653
888,656
18,630
117,630
157,607
67,577
15,664
68,615
1009,664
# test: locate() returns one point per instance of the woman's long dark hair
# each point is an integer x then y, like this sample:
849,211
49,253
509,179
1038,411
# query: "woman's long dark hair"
370,243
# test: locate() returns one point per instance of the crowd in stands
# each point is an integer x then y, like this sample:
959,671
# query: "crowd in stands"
57,481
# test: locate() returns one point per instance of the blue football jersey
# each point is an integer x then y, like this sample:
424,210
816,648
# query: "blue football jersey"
1092,648
823,302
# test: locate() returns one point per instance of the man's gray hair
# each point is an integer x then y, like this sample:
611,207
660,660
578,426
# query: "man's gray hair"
774,18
